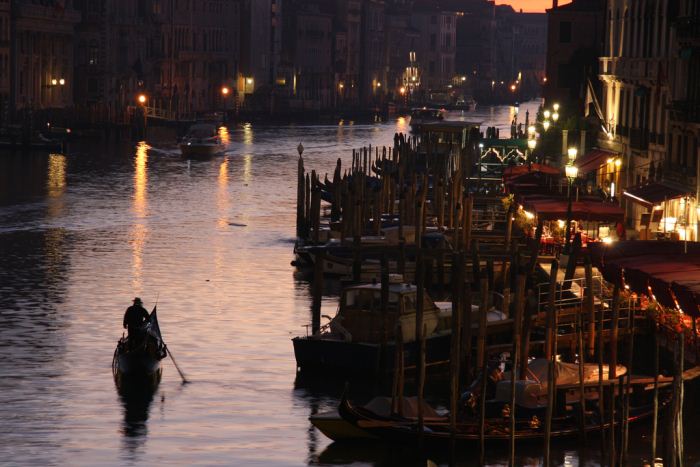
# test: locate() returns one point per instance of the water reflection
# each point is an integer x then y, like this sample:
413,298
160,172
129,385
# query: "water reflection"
139,230
222,200
136,404
224,135
247,134
141,179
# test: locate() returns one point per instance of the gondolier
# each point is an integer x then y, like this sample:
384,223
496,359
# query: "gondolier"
135,318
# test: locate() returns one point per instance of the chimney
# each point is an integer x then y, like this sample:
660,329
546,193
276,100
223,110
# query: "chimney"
555,4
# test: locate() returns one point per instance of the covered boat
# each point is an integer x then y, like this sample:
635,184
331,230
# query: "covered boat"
352,340
423,115
137,359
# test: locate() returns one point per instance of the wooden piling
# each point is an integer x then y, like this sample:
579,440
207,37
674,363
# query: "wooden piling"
420,343
457,284
317,293
384,272
517,322
467,227
589,304
301,190
483,311
551,355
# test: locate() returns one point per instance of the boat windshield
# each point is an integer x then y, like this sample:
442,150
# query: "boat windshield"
368,299
202,131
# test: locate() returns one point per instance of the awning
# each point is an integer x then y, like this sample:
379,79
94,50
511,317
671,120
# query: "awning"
592,160
653,193
668,270
528,171
554,209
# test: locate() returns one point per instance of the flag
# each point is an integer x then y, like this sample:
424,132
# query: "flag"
153,327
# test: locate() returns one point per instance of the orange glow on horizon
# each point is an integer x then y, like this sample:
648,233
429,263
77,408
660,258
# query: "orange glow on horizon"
530,6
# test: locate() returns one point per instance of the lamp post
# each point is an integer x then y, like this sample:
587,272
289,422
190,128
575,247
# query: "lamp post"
571,173
224,94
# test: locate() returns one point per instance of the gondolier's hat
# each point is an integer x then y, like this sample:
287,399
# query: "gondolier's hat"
137,300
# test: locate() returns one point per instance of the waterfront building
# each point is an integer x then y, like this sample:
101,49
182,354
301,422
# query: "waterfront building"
5,28
575,39
649,115
41,47
436,46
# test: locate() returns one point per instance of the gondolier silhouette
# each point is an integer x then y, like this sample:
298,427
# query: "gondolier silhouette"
135,319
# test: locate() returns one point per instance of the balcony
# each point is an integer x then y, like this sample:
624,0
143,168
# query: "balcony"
686,111
639,139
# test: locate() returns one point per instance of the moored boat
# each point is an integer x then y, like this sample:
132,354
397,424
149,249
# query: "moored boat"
201,140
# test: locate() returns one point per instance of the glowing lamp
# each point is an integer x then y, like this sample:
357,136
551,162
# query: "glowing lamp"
142,98
531,130
54,82
571,172
61,81
555,116
547,114
225,91
545,125
532,143
556,107
572,152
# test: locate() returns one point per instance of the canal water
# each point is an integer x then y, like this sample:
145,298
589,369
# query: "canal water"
83,233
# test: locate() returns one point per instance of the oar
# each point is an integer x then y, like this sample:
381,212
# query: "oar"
167,350
182,375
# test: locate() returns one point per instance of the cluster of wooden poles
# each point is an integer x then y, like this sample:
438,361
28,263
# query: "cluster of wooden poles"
400,192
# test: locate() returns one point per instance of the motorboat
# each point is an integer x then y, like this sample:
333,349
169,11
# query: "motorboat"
423,115
201,140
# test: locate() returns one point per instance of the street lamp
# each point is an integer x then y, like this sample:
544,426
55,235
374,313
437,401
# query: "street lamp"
571,173
142,99
545,125
547,114
572,152
555,116
531,131
532,144
556,107
224,92
62,81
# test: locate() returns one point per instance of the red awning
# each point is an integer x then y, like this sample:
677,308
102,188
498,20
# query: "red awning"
653,193
668,270
592,160
587,210
518,171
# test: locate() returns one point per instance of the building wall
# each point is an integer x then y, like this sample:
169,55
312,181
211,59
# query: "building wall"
5,62
650,87
436,46
575,38
43,45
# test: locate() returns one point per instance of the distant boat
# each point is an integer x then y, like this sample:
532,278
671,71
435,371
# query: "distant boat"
137,363
423,115
201,140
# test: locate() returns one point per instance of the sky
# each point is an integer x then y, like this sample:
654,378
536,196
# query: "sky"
530,5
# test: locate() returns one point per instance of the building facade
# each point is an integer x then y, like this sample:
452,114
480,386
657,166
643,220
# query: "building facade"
650,88
575,40
42,44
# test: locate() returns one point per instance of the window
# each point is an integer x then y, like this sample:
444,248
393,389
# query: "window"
433,42
565,32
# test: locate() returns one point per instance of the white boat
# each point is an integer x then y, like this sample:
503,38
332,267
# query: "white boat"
201,140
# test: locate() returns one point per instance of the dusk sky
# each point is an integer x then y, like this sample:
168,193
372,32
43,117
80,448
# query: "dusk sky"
530,5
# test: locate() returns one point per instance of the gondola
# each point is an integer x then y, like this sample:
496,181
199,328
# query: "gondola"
529,426
137,363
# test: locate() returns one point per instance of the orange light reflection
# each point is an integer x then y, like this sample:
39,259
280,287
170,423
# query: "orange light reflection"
222,201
